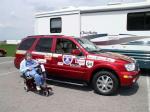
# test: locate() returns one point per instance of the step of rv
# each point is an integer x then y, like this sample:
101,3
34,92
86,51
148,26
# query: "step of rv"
68,81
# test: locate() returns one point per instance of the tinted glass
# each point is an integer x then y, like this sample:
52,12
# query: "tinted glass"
65,46
135,21
55,25
147,20
44,45
138,21
26,44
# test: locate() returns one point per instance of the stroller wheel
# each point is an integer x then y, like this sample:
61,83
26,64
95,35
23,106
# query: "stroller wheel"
46,93
26,88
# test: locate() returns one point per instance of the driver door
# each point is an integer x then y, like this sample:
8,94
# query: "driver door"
66,64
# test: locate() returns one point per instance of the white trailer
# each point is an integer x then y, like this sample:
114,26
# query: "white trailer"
132,18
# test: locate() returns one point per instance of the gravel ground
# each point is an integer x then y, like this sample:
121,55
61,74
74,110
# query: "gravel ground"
68,98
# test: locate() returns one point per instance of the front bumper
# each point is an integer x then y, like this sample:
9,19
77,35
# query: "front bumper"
129,78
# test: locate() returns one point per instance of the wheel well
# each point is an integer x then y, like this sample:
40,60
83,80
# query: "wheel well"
104,69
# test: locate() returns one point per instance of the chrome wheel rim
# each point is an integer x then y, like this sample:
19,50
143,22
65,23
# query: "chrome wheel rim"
104,83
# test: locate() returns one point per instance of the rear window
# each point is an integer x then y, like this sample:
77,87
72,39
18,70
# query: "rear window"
26,44
44,45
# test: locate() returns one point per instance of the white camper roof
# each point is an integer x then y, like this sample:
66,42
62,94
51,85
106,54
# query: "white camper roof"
78,10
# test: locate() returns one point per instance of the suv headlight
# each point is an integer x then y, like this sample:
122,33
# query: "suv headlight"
130,66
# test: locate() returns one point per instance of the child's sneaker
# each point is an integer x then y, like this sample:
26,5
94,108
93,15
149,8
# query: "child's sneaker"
38,88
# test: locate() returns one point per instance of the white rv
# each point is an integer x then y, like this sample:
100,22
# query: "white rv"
107,26
133,18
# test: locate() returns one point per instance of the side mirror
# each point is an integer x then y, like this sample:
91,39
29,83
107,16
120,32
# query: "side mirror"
76,52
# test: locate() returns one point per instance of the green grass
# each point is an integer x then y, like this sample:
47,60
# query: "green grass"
11,49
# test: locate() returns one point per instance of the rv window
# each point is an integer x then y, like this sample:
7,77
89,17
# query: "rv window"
147,21
138,21
44,45
135,21
55,25
26,44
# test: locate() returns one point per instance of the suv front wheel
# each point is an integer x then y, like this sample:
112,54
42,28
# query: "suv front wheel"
105,83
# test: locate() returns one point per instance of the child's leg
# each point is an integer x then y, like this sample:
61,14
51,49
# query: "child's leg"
38,80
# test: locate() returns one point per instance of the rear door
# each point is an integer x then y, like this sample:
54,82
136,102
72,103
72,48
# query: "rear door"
42,51
64,63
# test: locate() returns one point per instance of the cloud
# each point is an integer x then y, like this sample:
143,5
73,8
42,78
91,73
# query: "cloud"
6,25
45,5
16,20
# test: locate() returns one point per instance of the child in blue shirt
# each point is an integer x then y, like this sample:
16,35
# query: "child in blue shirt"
27,67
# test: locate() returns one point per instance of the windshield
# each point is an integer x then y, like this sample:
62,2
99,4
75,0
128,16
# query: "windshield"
88,45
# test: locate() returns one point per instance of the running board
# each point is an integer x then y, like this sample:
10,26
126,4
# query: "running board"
79,83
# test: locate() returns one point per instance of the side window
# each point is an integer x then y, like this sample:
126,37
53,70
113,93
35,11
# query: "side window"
138,21
44,45
135,21
55,25
65,46
26,44
147,21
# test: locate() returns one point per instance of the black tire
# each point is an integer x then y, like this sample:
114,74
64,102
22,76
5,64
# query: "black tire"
1,54
46,93
26,88
105,83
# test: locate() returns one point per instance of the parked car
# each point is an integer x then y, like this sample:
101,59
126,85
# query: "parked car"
2,52
80,59
139,49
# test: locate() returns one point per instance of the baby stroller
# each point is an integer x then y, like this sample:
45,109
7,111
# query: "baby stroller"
29,83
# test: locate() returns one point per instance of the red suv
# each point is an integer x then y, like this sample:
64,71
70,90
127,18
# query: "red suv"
78,58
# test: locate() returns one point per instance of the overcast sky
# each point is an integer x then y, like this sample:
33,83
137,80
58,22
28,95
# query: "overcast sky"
17,16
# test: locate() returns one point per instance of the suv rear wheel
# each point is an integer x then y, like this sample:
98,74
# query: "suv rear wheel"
105,83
